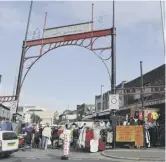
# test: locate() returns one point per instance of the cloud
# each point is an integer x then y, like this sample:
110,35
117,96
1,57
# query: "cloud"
127,13
10,19
14,19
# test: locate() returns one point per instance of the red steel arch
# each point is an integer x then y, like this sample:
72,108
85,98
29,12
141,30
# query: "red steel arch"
55,42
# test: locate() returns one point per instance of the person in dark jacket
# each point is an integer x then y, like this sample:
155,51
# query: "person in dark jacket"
28,137
40,135
54,135
27,140
76,133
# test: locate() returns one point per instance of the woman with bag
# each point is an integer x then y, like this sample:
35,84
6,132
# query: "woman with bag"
46,135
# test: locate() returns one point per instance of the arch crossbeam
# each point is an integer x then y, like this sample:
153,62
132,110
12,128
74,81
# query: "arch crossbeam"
73,37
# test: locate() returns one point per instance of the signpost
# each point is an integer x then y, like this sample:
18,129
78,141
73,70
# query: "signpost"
13,107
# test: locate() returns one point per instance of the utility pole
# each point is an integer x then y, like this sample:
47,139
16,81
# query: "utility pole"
102,97
113,60
142,90
142,101
113,70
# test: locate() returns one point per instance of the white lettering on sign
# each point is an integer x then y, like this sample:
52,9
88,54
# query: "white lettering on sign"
67,30
66,142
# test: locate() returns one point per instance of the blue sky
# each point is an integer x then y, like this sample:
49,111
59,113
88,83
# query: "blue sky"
73,75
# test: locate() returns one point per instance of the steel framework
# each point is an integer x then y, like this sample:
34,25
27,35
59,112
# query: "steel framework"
86,40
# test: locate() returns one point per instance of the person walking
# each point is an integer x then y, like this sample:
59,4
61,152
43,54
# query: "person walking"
40,136
46,135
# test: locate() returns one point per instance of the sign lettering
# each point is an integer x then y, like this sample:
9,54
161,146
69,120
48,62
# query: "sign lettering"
66,142
67,30
137,90
125,133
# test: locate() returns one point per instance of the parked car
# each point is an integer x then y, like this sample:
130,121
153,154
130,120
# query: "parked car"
9,143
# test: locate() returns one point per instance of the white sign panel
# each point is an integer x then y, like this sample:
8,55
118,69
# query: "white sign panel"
114,101
13,107
67,30
66,142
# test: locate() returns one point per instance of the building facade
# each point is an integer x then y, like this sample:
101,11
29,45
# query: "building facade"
36,108
4,112
155,77
83,110
68,116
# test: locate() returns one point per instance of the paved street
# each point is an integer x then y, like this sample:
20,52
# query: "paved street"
53,155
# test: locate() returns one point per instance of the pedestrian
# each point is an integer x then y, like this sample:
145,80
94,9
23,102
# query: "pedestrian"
40,136
76,134
53,136
27,140
46,135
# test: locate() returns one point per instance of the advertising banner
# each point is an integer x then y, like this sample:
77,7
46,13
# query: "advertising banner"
125,133
139,136
66,142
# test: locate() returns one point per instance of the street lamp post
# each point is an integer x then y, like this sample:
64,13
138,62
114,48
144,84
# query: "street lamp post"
102,97
123,83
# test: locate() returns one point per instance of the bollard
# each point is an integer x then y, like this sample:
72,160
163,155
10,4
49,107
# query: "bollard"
66,145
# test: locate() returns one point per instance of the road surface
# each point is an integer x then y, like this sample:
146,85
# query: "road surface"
36,155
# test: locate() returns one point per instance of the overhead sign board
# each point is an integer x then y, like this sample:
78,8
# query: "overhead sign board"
114,101
137,90
67,30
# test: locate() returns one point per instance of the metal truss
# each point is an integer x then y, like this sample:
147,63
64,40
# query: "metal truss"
7,98
86,40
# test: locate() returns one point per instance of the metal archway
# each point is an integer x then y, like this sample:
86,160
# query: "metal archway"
79,39
75,42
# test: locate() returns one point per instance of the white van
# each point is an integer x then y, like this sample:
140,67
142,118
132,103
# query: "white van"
8,143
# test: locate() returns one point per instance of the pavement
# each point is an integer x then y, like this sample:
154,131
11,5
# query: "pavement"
143,155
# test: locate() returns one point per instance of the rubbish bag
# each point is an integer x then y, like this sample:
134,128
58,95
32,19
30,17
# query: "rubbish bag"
49,142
